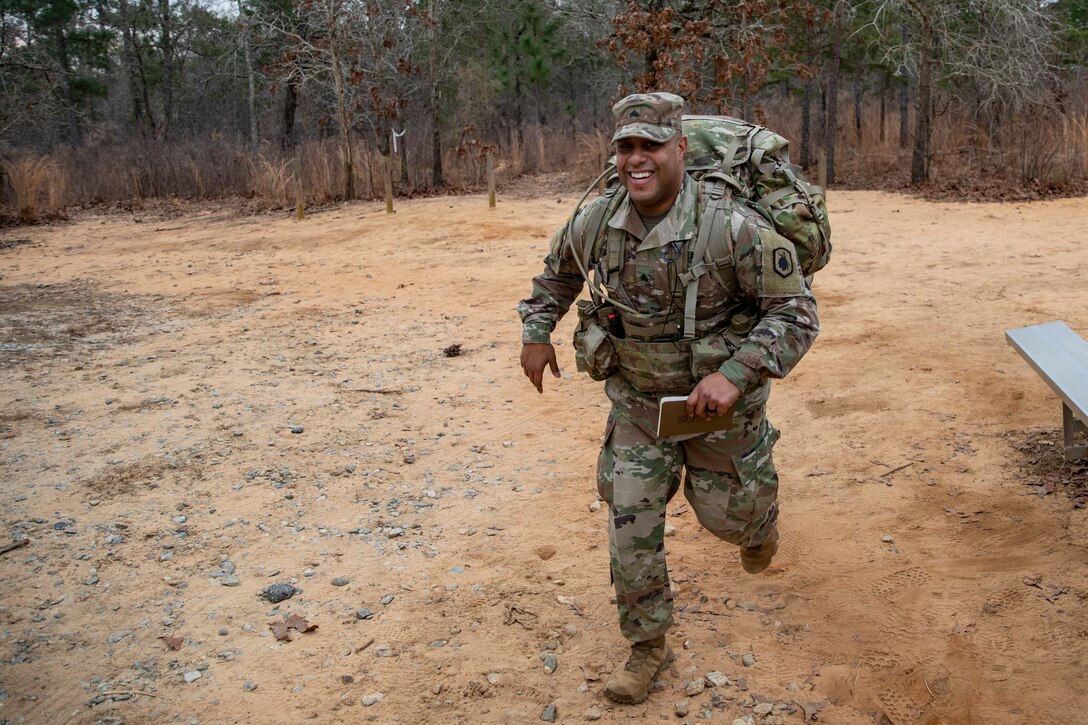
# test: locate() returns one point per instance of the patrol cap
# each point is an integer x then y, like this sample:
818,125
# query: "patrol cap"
653,116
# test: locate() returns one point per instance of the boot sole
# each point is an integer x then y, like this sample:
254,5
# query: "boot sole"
640,697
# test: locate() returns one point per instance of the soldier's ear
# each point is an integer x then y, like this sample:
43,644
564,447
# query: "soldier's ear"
682,144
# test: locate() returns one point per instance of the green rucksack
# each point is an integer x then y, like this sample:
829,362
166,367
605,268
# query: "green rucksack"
725,156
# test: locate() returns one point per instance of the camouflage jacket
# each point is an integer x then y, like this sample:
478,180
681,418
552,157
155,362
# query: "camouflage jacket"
780,305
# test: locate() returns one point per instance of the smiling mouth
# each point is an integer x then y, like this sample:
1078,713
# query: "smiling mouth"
640,175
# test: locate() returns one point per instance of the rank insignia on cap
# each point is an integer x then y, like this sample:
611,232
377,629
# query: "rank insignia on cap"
783,262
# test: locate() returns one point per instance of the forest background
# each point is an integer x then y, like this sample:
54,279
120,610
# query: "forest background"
111,102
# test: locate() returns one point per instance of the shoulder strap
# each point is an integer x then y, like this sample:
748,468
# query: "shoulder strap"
596,220
713,230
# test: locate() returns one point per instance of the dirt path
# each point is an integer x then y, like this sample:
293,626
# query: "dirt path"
152,368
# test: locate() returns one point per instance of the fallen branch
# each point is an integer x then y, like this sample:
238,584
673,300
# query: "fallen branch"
14,545
127,692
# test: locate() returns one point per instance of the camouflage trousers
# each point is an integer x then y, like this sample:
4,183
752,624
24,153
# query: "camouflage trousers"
729,480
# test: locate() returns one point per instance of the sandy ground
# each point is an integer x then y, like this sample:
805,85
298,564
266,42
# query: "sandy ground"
152,366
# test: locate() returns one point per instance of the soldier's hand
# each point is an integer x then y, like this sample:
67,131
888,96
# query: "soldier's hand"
535,357
714,395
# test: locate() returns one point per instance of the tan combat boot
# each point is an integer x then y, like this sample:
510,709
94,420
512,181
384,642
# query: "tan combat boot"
755,559
632,684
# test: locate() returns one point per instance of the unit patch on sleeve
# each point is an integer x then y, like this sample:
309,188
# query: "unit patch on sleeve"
783,262
781,276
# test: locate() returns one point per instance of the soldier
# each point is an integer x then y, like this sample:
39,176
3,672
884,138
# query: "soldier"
754,319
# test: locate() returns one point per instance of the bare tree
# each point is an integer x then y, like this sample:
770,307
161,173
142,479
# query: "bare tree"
997,48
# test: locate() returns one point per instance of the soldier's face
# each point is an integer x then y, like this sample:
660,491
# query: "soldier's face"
651,171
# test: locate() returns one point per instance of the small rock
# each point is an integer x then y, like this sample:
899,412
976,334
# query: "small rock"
387,599
278,592
763,708
493,678
192,676
373,699
682,708
115,539
549,713
308,572
747,659
439,643
670,530
230,581
595,506
717,679
364,613
592,714
549,663
347,679
694,687
437,689
296,429
249,686
887,539
227,566
118,636
340,581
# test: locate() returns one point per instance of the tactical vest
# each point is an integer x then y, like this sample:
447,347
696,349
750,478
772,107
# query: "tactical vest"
725,156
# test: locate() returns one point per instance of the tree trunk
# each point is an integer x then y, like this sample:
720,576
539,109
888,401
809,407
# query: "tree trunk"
833,99
883,105
254,140
137,79
923,108
167,45
904,98
402,146
348,157
66,86
806,125
290,107
859,87
437,178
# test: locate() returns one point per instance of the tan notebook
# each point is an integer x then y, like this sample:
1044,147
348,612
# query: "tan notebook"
673,420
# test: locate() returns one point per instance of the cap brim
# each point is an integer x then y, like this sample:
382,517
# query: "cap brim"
647,131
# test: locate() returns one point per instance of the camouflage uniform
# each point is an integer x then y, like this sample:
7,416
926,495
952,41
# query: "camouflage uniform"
768,321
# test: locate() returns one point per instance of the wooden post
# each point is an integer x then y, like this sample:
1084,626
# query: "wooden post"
821,162
388,163
300,198
490,180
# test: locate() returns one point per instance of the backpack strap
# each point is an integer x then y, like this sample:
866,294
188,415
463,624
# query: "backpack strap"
596,223
714,229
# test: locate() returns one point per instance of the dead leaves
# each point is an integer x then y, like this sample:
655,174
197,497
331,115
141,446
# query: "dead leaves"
173,643
281,628
1049,592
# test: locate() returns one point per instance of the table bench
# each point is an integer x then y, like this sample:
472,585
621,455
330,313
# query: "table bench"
1060,356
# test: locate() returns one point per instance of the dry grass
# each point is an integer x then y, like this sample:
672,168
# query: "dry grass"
38,186
1041,153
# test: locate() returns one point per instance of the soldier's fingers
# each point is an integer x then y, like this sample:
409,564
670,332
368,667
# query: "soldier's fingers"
538,380
553,364
693,401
